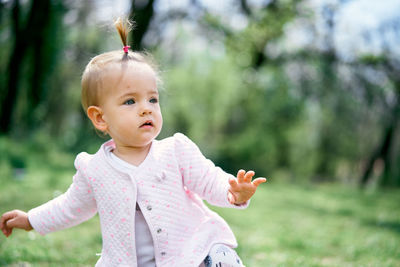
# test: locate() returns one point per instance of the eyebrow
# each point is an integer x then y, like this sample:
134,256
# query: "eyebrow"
153,92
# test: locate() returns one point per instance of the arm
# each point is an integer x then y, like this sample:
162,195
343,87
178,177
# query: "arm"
211,183
76,205
73,207
242,188
200,175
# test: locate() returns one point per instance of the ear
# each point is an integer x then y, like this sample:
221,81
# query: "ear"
95,114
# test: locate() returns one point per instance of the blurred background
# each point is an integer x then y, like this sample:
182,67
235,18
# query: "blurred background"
306,93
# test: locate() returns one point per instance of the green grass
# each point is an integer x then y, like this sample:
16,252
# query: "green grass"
285,225
289,225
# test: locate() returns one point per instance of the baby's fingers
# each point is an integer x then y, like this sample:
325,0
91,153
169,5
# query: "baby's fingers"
233,183
7,232
248,176
5,217
240,175
4,222
259,181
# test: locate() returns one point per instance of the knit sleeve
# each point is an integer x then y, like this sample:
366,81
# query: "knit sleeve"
73,207
200,175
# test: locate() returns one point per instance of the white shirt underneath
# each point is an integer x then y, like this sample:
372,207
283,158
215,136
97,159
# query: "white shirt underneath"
143,239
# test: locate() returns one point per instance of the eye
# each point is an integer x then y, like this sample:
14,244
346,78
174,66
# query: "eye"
153,100
129,102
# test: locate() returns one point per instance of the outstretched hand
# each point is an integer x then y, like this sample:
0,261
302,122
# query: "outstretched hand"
14,219
243,188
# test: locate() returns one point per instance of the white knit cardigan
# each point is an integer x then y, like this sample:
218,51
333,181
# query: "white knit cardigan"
168,187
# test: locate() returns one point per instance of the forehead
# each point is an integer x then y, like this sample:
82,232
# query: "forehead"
129,75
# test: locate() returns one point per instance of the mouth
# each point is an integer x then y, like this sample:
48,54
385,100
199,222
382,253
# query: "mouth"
147,124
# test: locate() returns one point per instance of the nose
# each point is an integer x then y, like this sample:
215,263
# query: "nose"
145,109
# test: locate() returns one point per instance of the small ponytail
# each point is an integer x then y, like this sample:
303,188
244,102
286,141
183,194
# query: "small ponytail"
124,26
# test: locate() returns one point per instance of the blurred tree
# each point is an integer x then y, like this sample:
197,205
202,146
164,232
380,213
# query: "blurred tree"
232,84
10,89
35,44
341,109
332,145
390,124
142,12
245,120
269,110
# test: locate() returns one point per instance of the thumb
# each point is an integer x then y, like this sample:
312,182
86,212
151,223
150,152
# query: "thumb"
11,223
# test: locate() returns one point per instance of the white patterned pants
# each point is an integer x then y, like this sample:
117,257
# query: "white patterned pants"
222,256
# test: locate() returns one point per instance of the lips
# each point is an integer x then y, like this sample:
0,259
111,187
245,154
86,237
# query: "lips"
147,124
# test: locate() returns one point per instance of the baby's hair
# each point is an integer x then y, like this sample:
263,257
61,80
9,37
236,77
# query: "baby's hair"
123,28
95,69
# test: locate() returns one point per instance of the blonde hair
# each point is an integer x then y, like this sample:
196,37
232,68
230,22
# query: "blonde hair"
95,69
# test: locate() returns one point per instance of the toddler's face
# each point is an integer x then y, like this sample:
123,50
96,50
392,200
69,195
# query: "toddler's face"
130,105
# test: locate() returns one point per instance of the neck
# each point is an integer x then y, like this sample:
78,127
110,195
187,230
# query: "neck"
133,155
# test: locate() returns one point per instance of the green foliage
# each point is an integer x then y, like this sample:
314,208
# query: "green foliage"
245,100
200,97
372,59
240,118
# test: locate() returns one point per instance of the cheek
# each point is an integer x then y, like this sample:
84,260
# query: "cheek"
159,119
160,116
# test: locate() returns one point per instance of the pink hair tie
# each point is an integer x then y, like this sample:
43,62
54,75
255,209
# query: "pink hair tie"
126,48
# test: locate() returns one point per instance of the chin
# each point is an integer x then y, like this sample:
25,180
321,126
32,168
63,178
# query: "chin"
146,141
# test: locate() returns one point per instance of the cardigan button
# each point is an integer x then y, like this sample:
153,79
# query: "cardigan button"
149,207
163,253
159,230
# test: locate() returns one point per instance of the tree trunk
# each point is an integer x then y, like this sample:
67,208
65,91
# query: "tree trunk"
14,67
142,13
25,37
41,54
386,145
383,152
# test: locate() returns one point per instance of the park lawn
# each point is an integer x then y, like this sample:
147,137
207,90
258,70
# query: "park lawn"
285,225
318,225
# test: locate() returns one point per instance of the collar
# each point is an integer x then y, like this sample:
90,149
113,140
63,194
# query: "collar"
110,145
